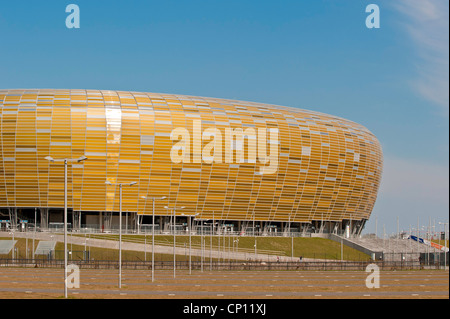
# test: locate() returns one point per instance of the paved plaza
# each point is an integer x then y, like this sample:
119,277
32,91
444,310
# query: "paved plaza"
20,283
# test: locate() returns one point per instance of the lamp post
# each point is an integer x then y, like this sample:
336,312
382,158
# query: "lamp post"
65,161
254,233
14,246
292,237
445,243
236,249
174,234
210,244
120,224
34,233
190,229
153,233
202,223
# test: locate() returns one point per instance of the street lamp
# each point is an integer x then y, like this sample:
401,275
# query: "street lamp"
254,233
174,234
153,233
14,246
292,236
120,224
190,229
236,250
65,161
445,243
202,223
210,244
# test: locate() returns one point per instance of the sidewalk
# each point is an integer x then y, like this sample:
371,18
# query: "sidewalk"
110,244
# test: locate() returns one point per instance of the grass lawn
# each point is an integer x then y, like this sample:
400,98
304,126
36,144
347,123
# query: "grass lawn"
306,247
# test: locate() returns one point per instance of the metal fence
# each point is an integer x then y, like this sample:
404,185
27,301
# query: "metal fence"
424,258
146,229
215,265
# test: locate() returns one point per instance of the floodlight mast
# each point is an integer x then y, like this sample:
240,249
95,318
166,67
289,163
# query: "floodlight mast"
65,160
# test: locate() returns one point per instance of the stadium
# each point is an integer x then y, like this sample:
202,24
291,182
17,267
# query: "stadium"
241,166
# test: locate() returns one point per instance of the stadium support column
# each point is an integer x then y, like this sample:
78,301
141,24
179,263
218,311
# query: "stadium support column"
13,217
44,218
76,220
137,222
362,223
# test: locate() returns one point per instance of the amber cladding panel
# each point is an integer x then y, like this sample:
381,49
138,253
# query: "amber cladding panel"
328,168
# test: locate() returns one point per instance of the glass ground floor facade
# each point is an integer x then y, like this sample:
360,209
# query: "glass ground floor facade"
52,220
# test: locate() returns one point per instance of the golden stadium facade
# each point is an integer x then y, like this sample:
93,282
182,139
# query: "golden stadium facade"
327,172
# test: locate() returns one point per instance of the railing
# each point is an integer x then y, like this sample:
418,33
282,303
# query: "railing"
230,265
144,229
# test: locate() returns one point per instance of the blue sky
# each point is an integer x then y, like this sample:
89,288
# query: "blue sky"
317,55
